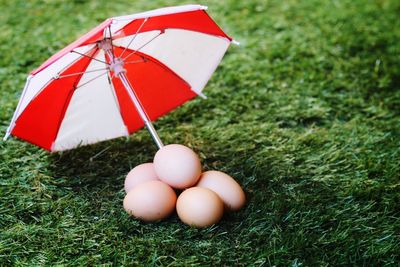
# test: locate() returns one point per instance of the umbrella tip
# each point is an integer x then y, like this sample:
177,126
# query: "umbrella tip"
201,95
235,42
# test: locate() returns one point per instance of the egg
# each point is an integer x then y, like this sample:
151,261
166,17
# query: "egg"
226,188
177,165
150,201
140,174
199,207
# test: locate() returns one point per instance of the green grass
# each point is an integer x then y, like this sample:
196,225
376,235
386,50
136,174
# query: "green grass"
305,115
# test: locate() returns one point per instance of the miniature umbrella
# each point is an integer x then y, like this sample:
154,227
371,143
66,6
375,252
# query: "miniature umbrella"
123,74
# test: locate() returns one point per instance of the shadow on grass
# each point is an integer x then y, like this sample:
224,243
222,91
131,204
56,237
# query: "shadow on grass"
103,165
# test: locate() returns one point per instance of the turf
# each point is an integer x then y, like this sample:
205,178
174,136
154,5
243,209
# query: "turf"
304,114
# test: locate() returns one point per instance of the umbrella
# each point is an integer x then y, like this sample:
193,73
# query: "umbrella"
122,75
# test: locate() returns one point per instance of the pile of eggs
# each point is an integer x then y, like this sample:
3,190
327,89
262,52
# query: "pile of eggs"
151,195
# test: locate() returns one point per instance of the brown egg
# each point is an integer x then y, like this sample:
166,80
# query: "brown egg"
140,174
177,165
150,201
226,187
199,207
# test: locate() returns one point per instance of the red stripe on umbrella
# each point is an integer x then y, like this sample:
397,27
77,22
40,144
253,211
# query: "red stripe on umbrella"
40,121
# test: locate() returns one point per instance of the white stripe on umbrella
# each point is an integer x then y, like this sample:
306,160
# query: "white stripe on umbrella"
93,113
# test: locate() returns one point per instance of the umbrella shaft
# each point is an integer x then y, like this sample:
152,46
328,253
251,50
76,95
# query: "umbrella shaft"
117,66
140,110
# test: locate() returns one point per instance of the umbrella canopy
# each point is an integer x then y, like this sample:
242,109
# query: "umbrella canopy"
123,74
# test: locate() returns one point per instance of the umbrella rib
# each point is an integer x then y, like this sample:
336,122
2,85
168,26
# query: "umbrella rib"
75,60
54,78
78,73
134,36
114,94
147,58
151,40
98,76
90,57
135,61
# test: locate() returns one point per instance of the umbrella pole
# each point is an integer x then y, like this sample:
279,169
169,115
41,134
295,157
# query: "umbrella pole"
117,66
139,108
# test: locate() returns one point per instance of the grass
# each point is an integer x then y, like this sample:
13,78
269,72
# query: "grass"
305,115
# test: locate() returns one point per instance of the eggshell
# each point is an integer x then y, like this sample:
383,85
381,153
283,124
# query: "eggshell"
140,174
177,165
150,201
199,207
226,187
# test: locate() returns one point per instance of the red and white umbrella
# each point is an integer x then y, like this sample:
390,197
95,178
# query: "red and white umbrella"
123,74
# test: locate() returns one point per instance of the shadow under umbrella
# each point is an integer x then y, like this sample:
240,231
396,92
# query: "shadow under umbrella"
101,166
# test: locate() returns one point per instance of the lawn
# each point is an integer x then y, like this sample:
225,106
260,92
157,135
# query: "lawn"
305,114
